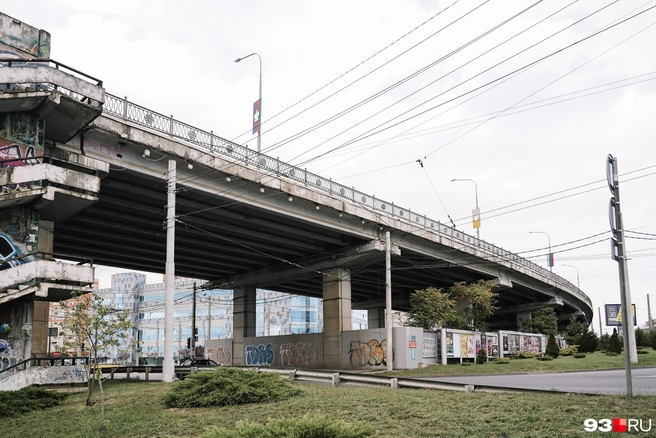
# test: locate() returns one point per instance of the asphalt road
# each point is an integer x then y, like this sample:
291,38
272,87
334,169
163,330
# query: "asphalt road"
598,382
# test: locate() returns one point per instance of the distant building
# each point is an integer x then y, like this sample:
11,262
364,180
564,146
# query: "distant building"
277,314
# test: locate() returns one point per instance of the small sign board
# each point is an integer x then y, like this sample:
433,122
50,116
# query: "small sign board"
53,332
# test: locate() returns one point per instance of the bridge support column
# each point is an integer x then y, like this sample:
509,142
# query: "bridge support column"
376,318
336,315
243,322
521,317
42,308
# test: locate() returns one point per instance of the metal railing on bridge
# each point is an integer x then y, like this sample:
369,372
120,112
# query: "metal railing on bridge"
128,111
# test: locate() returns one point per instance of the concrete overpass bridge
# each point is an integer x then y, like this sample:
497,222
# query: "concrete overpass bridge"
95,188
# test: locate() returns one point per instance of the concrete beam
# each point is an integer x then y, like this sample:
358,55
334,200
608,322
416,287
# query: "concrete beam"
555,302
358,256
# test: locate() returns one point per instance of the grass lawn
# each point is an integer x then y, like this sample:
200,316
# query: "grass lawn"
593,361
135,409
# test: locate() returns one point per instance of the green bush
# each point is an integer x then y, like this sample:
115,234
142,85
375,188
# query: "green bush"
589,342
579,355
614,344
525,355
569,350
642,352
545,358
501,360
611,353
15,403
481,356
552,346
228,386
306,427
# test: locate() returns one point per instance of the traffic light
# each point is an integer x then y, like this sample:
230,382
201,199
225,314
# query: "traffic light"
188,343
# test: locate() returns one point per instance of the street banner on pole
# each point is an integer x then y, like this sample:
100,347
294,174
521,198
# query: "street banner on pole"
476,218
257,115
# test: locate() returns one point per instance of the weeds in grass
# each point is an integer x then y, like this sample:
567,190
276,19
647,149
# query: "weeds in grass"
306,427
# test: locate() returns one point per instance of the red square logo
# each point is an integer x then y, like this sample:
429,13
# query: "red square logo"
619,424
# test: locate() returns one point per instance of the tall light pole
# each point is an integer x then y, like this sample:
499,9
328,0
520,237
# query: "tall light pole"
257,112
476,218
549,240
578,282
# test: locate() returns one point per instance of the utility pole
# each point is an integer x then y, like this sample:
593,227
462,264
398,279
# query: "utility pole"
651,322
193,324
168,368
209,318
388,300
618,249
601,332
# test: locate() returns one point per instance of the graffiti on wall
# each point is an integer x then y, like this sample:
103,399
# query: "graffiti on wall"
372,353
23,37
257,355
18,236
221,355
73,375
9,361
16,155
299,354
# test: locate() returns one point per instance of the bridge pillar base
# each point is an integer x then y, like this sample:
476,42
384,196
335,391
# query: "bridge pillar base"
376,318
243,323
336,314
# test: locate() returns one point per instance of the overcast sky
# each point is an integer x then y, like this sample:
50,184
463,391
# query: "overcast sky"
177,57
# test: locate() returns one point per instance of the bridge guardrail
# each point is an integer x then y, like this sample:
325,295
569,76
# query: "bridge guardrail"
126,110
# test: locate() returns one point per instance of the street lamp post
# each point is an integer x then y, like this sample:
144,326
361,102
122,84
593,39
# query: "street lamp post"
578,282
477,211
259,115
549,240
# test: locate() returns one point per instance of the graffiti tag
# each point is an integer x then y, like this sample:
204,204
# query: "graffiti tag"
19,155
76,374
369,353
259,354
299,354
221,355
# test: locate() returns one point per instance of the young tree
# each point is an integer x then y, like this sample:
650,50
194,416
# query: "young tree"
574,331
603,342
652,339
552,346
614,344
99,327
543,321
430,308
480,304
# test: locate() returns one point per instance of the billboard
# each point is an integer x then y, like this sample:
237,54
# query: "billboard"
614,314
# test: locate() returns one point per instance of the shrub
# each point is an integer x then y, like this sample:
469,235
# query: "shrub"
579,355
642,352
589,342
652,339
481,357
228,386
502,360
545,358
641,338
610,353
15,403
614,344
311,427
552,346
525,355
569,350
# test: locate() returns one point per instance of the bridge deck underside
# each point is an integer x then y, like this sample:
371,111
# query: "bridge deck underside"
219,237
